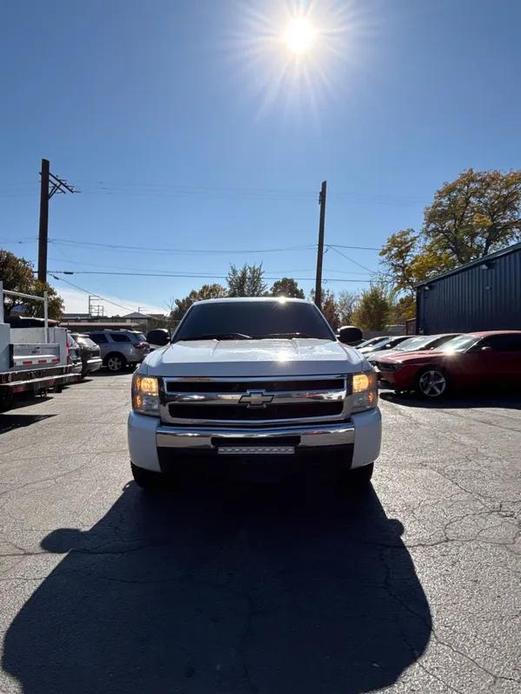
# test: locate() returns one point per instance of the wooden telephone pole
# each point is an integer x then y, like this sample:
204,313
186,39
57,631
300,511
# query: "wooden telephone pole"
49,185
320,250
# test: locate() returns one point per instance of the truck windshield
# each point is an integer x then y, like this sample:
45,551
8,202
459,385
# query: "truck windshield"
242,320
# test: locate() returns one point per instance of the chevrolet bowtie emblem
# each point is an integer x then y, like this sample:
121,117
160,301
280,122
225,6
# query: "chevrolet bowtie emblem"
256,398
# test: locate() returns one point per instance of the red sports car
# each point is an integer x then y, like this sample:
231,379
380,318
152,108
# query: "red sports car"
481,358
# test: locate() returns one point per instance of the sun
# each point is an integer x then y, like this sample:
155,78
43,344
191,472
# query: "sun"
300,36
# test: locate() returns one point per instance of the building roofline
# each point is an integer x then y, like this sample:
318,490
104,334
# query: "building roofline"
479,261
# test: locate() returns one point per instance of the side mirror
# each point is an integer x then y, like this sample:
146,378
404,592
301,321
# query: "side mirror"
486,348
160,337
349,335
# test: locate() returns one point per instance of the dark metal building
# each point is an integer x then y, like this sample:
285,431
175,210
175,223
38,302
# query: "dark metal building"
482,295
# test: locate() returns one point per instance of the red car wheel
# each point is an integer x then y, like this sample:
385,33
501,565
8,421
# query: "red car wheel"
432,383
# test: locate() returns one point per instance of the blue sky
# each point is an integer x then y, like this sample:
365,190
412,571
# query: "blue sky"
186,126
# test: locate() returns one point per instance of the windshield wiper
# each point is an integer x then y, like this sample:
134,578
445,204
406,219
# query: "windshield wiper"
285,335
218,336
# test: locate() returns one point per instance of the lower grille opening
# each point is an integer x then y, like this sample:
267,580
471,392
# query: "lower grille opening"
242,413
197,466
255,441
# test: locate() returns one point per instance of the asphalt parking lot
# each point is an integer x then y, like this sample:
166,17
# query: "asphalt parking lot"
413,587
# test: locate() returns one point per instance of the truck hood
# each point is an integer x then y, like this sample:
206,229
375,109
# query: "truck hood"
270,357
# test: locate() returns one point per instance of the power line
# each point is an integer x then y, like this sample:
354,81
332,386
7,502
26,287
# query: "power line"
357,248
188,275
25,239
382,197
116,246
71,242
371,272
133,188
220,251
286,272
92,294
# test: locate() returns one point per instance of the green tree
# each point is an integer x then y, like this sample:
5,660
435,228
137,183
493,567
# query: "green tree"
399,252
18,276
207,291
474,215
287,286
374,308
410,260
346,304
403,309
329,307
246,281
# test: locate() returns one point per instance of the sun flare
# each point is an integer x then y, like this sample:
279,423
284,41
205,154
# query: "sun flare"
298,54
300,36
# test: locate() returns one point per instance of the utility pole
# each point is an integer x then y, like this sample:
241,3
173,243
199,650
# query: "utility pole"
44,221
320,250
49,185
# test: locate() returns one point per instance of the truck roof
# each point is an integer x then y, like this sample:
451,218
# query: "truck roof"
253,299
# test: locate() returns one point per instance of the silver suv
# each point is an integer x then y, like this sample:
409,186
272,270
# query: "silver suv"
120,348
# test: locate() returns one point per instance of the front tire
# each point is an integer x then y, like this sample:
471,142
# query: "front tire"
360,477
146,479
115,362
432,383
6,402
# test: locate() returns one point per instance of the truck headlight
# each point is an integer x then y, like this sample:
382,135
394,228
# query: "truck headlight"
145,395
365,391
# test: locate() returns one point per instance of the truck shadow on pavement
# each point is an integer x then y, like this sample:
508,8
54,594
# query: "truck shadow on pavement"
8,422
233,589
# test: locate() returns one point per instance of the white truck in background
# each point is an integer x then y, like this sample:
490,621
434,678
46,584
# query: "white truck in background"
32,359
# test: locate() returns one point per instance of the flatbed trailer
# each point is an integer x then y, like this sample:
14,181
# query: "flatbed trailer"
35,381
33,360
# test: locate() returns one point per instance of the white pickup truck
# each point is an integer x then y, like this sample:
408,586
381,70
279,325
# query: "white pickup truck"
261,383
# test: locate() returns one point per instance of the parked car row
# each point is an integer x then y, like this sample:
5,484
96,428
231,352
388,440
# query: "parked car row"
87,353
375,344
114,349
434,365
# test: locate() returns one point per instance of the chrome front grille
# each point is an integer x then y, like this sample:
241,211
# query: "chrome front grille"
254,401
242,385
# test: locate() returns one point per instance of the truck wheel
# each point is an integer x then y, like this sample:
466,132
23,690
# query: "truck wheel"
432,383
146,479
115,362
6,402
360,476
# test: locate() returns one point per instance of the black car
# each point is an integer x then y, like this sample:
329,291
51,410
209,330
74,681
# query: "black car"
89,352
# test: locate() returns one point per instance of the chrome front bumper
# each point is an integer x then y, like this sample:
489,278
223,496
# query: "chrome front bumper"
206,438
147,437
